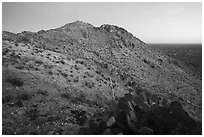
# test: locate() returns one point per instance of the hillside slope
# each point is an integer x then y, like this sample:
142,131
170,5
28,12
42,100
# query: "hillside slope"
79,69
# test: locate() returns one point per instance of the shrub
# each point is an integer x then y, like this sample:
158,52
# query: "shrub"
24,40
160,60
80,116
66,95
24,96
79,99
19,103
6,98
20,67
89,84
15,81
33,112
39,61
64,74
5,51
80,62
62,61
76,79
50,72
42,92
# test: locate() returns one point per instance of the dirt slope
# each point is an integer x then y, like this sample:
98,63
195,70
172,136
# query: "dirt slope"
79,68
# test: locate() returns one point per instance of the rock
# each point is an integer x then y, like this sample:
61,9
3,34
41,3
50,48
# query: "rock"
138,100
128,96
176,104
146,107
181,115
107,132
111,121
146,131
123,105
113,107
130,123
155,107
130,106
116,131
133,116
51,133
105,117
164,102
153,120
155,99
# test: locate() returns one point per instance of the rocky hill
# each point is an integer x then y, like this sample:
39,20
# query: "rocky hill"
55,80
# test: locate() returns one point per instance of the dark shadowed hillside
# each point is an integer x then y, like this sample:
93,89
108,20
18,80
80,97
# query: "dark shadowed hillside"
61,81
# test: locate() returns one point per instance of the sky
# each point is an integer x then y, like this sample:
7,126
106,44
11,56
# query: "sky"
156,22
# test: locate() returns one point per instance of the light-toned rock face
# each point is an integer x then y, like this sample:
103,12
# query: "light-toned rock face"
102,63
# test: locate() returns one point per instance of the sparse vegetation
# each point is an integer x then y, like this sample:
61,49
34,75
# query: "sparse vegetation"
39,61
76,79
89,84
80,116
24,40
42,92
20,67
33,112
80,62
79,99
66,95
24,96
50,72
15,81
56,82
64,74
6,98
19,103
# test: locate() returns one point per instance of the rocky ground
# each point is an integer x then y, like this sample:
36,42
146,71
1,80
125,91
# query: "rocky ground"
64,80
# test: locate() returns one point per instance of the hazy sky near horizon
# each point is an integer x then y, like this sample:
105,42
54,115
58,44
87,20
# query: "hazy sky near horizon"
154,22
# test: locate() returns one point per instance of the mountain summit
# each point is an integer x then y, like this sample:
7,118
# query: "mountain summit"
59,74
